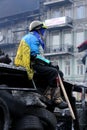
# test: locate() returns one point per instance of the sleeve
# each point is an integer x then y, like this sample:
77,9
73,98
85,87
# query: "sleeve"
42,60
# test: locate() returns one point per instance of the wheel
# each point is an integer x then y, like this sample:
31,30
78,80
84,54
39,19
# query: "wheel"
82,114
48,119
28,122
15,106
4,115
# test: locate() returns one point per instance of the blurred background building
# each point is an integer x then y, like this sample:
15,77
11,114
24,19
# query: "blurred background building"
67,28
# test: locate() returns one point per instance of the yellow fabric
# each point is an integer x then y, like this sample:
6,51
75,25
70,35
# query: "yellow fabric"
44,26
23,58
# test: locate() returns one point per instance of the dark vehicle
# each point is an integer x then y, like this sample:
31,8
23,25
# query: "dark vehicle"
16,112
23,105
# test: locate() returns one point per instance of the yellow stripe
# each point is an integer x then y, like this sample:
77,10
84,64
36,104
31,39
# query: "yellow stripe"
23,58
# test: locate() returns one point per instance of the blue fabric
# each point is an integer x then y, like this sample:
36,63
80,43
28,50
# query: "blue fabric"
43,59
42,30
39,37
33,43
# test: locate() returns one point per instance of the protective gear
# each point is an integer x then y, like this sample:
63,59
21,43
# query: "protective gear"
35,25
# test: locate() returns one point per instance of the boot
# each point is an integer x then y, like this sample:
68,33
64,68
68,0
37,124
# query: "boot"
53,95
57,100
48,93
47,97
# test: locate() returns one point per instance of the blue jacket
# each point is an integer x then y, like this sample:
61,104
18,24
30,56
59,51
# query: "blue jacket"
33,43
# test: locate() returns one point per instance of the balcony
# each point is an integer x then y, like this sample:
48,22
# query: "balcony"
59,50
59,23
51,3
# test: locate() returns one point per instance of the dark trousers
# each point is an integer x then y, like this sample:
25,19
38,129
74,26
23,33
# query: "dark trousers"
47,72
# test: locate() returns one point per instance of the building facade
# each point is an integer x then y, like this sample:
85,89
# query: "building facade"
14,22
67,28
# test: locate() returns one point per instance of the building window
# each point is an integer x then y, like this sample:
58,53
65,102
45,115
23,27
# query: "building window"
80,68
18,34
86,34
80,12
79,38
9,36
55,13
67,39
68,12
55,42
67,68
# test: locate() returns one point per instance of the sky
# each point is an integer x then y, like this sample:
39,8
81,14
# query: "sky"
12,7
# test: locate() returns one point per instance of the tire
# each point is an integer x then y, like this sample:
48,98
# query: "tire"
16,107
28,123
82,115
4,115
45,116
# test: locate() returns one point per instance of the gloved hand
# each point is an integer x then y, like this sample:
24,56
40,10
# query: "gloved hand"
61,74
59,71
57,67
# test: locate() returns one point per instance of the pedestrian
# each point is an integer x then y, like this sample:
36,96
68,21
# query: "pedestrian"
33,60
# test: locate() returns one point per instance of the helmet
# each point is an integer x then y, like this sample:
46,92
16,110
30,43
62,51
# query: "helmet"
35,25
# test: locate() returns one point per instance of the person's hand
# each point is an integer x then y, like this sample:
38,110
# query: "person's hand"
59,71
55,66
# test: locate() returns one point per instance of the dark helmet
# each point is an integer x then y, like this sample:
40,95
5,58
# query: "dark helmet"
35,25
